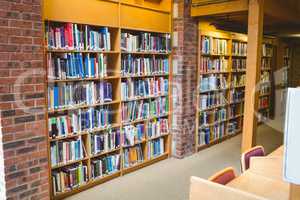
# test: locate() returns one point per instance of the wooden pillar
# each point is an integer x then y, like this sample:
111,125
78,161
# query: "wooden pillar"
255,37
294,192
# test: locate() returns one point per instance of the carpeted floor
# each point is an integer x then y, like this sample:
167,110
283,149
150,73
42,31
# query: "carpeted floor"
169,179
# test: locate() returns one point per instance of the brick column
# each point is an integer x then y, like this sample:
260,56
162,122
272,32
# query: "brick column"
22,99
185,39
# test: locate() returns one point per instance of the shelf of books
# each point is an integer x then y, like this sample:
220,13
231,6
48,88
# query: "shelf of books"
108,102
221,82
265,81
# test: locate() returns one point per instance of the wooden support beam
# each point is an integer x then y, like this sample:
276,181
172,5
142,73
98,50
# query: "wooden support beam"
255,37
294,192
220,8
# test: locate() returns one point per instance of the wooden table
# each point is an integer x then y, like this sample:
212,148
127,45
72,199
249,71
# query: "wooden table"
264,177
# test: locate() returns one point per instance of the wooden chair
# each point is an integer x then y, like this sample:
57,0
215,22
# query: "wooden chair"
223,177
257,151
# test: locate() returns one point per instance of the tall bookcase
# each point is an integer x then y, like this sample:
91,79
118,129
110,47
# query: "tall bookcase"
220,91
97,136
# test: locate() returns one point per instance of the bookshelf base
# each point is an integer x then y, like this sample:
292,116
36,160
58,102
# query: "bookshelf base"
145,164
202,147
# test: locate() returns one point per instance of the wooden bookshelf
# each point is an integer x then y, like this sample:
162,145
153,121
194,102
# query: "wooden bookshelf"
118,16
234,75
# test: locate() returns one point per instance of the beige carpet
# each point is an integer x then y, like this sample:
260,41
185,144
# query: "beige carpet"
169,179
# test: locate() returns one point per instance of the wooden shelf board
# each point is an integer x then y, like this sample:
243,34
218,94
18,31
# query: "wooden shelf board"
144,120
68,163
82,106
104,153
79,51
159,136
145,98
144,76
145,53
83,79
135,143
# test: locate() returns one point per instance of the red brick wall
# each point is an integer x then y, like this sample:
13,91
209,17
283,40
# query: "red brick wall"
22,99
184,81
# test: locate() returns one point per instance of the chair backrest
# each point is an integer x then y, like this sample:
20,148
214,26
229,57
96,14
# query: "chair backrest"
257,151
223,177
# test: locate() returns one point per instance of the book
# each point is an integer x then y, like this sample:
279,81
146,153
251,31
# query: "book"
66,151
238,80
208,65
239,48
66,66
232,127
138,66
238,64
212,82
204,136
133,134
145,42
210,45
67,95
106,165
148,87
133,156
236,95
267,50
155,148
105,141
157,127
213,99
69,178
69,36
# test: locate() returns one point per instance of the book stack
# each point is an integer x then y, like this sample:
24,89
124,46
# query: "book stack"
97,40
145,42
204,136
149,87
232,127
238,64
66,151
105,141
157,127
105,166
239,48
265,64
67,95
76,65
212,82
263,102
265,77
233,111
219,115
236,95
210,45
69,178
267,50
209,65
218,131
212,100
238,80
204,118
133,134
139,66
132,156
137,110
155,148
73,36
